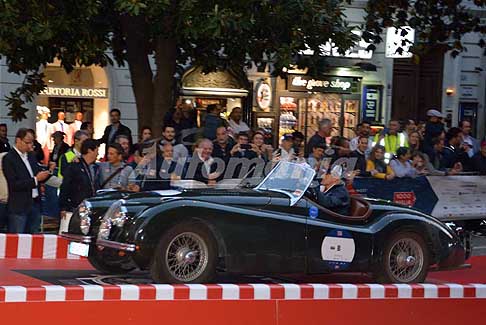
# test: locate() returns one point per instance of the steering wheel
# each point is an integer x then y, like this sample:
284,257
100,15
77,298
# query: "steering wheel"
311,192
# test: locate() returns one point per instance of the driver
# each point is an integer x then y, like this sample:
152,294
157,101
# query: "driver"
333,195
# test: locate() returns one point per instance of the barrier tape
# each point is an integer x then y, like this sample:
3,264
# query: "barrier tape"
49,293
24,246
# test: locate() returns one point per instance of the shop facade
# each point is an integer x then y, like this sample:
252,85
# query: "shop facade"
346,95
91,90
228,89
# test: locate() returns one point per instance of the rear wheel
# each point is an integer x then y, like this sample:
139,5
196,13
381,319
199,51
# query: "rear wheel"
186,253
406,259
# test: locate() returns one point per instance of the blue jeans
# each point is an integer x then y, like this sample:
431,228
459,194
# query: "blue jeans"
3,217
25,223
50,202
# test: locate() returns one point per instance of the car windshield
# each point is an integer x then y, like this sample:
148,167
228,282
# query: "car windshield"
289,178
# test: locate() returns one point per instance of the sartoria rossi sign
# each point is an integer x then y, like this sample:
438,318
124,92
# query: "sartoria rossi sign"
75,92
327,84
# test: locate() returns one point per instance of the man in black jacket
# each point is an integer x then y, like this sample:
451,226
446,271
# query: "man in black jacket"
479,160
115,129
4,145
222,145
360,155
325,129
23,178
79,180
60,147
455,152
203,167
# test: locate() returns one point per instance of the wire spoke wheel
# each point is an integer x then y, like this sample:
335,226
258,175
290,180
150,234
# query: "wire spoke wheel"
186,257
406,260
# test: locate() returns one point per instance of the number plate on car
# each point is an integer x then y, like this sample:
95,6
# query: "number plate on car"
79,249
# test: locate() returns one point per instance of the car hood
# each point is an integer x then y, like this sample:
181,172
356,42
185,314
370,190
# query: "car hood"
237,196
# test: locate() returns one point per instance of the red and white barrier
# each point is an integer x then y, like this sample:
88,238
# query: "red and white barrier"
236,304
50,293
24,246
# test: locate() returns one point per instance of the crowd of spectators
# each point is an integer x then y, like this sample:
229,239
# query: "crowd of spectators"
212,153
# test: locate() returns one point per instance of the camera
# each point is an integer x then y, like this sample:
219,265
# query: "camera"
245,146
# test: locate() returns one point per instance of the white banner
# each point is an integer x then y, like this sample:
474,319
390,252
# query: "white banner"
460,197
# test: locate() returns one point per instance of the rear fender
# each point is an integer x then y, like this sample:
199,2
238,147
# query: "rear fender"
438,238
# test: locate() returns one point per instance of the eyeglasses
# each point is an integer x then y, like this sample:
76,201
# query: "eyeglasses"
28,143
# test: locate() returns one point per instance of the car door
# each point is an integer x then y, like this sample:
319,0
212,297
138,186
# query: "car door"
334,246
268,239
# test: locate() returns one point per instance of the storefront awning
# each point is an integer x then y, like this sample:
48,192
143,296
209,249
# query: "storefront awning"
216,92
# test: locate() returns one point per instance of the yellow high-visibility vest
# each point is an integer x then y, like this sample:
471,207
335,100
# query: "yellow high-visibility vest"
391,144
70,156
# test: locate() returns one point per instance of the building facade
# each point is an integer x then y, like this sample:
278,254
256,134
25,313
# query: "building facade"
360,85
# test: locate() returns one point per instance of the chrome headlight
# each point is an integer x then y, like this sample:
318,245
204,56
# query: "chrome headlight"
84,211
116,216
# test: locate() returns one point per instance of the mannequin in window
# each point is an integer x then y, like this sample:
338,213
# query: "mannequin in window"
42,127
61,126
43,130
76,125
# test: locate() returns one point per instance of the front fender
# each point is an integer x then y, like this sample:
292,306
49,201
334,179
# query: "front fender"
147,228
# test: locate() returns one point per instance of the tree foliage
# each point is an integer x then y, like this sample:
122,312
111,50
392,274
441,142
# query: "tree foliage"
214,34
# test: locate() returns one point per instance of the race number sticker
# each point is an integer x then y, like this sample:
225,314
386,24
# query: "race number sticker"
338,249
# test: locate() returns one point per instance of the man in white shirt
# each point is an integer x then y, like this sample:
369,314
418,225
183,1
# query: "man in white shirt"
467,139
23,177
180,151
235,122
364,129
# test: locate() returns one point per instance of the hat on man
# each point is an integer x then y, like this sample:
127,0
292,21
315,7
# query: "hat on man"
58,134
434,113
287,137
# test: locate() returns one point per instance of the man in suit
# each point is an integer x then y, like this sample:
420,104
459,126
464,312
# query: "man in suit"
79,180
4,145
23,178
115,129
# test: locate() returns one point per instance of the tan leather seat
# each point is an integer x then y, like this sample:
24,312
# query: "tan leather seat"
359,210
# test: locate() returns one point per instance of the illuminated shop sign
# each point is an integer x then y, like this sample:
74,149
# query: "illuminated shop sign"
330,84
75,92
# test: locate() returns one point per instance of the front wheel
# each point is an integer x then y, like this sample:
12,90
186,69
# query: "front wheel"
186,253
405,259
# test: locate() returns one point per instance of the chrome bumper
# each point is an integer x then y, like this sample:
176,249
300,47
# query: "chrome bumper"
116,245
77,238
99,242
